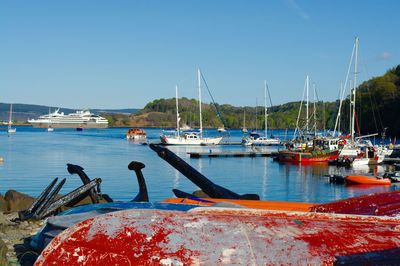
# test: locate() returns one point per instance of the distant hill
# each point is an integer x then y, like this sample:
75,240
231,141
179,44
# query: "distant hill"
21,112
377,104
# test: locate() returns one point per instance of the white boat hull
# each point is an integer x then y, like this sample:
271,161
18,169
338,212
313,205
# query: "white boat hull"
69,125
136,137
12,130
261,142
368,161
180,140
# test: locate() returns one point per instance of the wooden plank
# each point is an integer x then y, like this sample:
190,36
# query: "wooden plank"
232,154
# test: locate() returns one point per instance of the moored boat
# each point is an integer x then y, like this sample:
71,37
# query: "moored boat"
256,140
136,134
322,150
10,129
367,180
221,129
189,138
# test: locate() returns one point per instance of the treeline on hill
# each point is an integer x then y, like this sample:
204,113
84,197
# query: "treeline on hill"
377,105
162,113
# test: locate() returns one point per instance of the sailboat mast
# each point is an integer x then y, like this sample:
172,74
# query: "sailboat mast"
314,113
265,109
351,109
199,84
10,116
244,118
177,110
354,90
307,88
256,112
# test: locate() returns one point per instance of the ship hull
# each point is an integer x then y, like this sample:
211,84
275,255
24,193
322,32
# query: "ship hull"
184,141
69,125
301,157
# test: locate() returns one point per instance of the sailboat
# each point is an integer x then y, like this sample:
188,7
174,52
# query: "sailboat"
244,129
255,138
189,138
10,128
305,148
355,153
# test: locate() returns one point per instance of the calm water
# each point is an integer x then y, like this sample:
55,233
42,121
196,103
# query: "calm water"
33,157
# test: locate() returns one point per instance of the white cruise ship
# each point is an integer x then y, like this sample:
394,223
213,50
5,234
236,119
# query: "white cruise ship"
79,119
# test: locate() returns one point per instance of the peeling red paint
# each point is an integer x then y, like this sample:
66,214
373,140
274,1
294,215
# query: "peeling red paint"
210,236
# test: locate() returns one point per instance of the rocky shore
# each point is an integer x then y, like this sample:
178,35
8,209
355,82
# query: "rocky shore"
15,234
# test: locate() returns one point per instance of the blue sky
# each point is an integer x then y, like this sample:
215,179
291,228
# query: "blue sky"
123,54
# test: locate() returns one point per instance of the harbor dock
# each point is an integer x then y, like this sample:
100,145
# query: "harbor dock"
232,154
391,160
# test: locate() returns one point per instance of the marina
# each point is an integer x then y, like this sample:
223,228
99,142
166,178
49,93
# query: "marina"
96,149
199,133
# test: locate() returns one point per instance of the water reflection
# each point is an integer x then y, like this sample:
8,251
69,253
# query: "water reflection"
264,180
34,157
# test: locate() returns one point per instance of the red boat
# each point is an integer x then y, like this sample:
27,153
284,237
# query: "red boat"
307,157
221,236
321,150
367,180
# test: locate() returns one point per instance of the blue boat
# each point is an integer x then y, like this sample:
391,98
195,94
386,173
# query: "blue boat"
56,224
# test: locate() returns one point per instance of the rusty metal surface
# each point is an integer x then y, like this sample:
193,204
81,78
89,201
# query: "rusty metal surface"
218,236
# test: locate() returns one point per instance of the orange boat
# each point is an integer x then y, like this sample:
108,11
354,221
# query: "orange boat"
378,204
254,204
136,133
367,180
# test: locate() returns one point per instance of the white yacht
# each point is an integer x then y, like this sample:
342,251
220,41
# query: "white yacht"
255,138
10,129
79,119
189,138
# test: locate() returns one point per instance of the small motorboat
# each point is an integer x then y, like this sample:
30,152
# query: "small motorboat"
221,129
367,180
136,134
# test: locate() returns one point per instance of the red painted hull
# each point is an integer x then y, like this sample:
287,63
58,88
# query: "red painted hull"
302,157
367,180
212,236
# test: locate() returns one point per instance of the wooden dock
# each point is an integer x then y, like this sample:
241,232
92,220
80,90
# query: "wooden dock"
232,154
391,160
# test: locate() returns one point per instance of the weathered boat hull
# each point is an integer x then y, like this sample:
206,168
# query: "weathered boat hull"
220,236
55,225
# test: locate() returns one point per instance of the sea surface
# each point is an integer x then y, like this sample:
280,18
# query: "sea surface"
34,157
